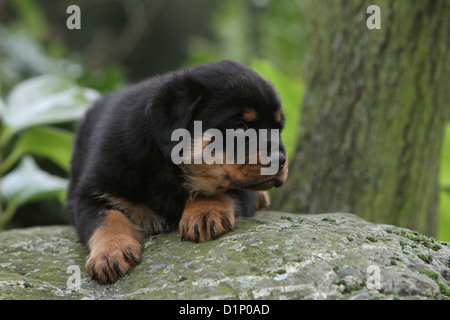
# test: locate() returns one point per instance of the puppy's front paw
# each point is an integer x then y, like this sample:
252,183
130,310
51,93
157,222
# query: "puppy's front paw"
110,261
115,248
206,218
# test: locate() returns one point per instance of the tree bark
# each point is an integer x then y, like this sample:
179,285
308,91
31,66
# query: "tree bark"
374,113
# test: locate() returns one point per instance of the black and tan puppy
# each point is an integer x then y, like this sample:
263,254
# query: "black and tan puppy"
124,184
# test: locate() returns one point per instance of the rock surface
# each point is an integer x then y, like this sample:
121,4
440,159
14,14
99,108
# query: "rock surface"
271,256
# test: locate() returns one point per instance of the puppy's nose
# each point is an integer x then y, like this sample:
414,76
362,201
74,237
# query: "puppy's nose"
282,161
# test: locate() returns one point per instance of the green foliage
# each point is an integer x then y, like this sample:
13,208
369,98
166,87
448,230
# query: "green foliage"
42,90
28,117
248,30
57,143
22,57
43,100
26,183
445,164
444,200
32,18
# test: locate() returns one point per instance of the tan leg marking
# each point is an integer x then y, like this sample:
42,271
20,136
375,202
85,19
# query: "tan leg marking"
115,248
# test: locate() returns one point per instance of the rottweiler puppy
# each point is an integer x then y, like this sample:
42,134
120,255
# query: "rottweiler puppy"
124,184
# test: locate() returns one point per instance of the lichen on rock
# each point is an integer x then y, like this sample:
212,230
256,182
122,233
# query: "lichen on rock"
270,256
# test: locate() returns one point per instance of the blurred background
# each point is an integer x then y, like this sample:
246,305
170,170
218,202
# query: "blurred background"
49,75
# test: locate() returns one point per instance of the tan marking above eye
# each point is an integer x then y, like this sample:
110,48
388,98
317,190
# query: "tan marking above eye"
249,115
278,116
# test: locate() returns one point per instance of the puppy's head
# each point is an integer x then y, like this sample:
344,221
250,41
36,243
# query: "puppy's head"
221,124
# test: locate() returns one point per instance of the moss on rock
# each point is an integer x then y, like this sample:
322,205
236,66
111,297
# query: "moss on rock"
271,256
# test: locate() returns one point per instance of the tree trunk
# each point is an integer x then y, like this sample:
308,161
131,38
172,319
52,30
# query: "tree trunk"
374,112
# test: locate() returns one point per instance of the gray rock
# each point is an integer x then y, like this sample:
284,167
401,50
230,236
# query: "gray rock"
271,256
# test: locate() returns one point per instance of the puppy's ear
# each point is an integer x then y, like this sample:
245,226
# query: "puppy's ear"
173,108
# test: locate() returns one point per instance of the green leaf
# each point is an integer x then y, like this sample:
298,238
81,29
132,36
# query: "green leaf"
444,199
445,162
29,183
53,143
46,99
32,17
